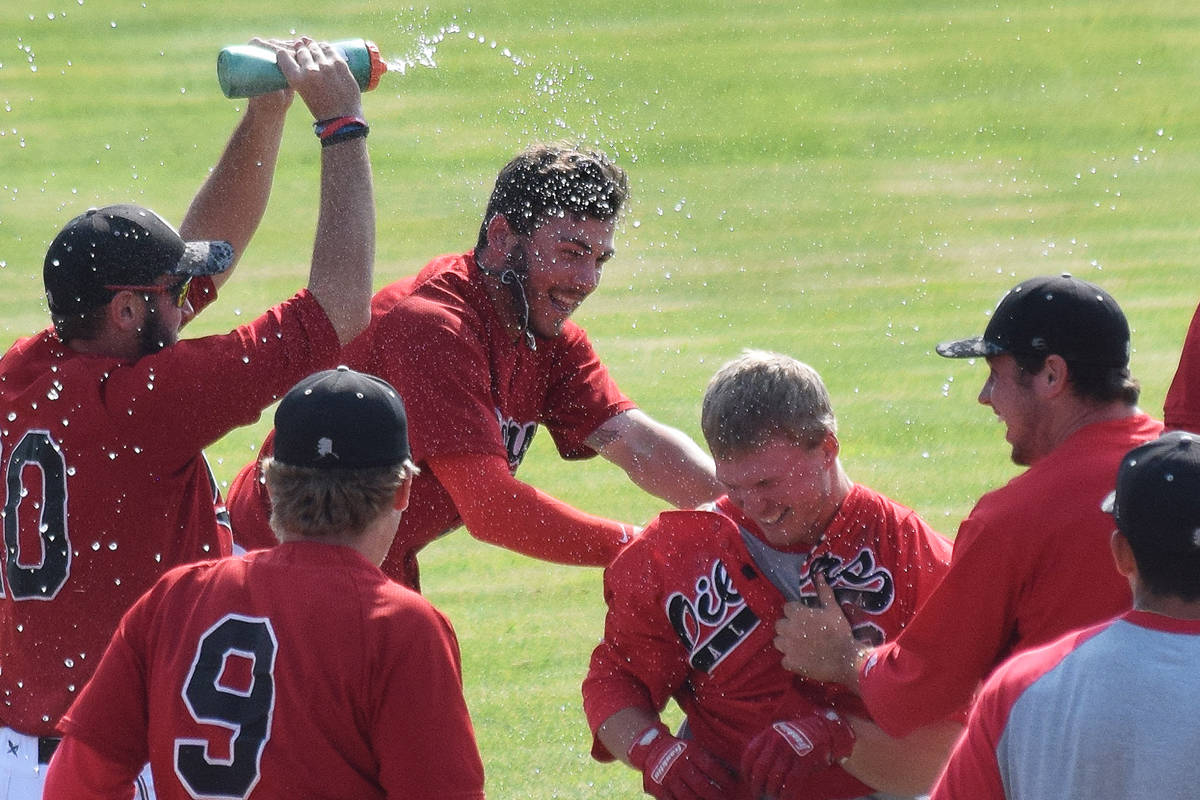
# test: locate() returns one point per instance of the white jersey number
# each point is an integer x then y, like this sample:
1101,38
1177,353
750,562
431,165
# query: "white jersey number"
245,710
44,577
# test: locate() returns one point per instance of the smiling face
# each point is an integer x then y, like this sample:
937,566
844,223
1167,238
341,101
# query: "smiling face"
790,490
563,260
1010,393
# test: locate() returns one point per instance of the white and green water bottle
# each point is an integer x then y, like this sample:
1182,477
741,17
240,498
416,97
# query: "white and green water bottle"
246,70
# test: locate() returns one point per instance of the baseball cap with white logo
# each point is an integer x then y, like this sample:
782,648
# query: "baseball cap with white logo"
1157,499
122,244
1052,315
341,419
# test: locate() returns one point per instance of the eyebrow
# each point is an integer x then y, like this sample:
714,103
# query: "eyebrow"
606,254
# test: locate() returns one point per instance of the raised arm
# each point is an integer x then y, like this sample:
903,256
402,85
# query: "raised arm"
231,201
344,249
658,458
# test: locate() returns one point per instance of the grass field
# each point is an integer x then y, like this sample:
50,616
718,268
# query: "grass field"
847,182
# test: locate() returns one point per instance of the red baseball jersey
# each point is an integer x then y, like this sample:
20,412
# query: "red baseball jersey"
1031,562
691,616
1181,410
469,387
107,486
299,671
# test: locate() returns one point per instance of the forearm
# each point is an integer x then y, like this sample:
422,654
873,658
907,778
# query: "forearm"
659,459
344,249
231,201
499,509
618,732
907,766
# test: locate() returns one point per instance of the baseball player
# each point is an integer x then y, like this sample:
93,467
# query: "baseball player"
215,674
1031,559
1107,713
482,347
104,415
692,605
1181,410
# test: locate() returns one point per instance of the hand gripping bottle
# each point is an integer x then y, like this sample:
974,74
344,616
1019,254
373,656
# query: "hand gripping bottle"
246,70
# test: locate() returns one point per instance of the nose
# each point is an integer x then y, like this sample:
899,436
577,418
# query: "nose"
187,312
985,394
587,275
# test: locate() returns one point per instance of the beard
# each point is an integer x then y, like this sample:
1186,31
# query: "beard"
154,336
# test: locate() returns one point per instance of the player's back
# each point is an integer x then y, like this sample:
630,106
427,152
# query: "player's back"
299,671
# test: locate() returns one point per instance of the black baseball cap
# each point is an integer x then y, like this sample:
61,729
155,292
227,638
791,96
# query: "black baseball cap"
1157,499
1052,315
341,418
125,245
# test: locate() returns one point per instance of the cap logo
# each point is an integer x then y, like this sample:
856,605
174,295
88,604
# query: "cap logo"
325,447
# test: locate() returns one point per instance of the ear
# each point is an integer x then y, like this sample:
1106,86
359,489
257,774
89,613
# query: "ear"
400,503
501,237
1052,380
1123,554
126,311
831,446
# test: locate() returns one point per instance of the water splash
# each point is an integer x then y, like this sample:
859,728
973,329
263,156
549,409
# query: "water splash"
424,50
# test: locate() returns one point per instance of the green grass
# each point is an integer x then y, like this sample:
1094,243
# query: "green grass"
847,182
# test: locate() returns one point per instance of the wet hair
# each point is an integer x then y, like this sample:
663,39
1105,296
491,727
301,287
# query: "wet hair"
319,503
552,179
1097,383
762,394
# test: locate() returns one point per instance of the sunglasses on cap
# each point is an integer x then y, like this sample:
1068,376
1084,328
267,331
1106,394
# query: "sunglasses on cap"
178,290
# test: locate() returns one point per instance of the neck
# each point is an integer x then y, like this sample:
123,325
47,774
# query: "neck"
1169,606
1077,414
501,294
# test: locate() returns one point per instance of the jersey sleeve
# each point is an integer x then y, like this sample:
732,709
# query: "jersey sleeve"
110,715
189,395
421,728
932,669
80,772
499,509
1182,407
639,662
582,396
972,773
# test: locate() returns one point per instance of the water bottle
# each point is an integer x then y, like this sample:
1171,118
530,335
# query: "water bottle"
246,70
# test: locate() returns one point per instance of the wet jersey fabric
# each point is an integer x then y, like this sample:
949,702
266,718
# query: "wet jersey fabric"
691,616
107,487
299,671
470,386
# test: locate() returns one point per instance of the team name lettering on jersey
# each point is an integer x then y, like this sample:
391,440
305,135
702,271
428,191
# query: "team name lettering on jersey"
517,436
859,583
712,621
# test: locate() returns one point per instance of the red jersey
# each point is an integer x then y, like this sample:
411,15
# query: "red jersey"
108,487
300,671
1181,410
1031,562
691,615
469,387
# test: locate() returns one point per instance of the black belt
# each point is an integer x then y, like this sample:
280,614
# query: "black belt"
46,747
